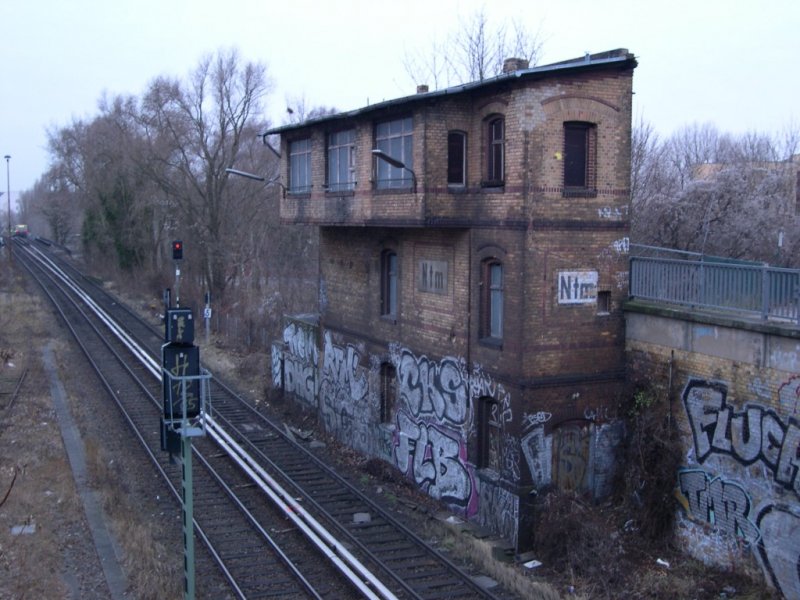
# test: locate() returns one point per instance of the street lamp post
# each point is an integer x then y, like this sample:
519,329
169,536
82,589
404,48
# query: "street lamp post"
377,153
8,194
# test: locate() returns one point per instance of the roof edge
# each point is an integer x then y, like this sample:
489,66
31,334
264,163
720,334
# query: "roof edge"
598,60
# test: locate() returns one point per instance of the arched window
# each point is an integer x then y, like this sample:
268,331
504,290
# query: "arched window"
491,324
580,158
389,282
456,158
495,172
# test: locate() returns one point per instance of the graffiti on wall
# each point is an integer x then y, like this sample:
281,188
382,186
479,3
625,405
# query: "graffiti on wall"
435,458
345,405
723,504
752,437
300,362
755,434
433,389
433,421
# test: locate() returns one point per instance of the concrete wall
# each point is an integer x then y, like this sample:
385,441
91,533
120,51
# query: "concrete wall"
736,402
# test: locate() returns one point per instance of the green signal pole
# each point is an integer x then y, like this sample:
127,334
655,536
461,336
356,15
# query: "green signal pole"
188,519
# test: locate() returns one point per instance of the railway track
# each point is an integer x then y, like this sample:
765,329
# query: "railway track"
275,519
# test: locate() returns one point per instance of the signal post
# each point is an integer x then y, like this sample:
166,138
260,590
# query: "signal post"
186,401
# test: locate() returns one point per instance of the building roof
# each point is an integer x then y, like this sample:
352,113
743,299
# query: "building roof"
618,57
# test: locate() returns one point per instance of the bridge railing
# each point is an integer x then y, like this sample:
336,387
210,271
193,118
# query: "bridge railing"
747,289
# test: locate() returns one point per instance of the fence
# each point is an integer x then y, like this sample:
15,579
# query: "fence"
688,279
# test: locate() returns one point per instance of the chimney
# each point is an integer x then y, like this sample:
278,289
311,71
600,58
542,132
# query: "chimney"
422,89
514,64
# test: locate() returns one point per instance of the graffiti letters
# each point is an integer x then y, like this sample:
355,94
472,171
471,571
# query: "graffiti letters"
428,388
723,504
435,459
753,434
779,547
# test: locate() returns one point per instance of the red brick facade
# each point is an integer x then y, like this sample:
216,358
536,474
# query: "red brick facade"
553,376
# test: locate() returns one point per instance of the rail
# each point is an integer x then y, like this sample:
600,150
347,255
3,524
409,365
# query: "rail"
740,288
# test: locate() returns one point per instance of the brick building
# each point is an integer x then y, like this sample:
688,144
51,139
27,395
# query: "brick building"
473,247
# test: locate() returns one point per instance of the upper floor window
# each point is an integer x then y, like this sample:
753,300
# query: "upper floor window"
395,138
495,172
341,161
580,158
491,318
456,158
300,167
389,279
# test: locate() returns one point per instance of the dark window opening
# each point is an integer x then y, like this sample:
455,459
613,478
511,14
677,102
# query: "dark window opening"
389,282
580,158
603,302
388,391
489,435
456,158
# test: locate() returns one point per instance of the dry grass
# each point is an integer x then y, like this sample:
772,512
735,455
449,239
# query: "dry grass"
144,561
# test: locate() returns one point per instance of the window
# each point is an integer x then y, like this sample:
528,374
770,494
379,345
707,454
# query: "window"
492,300
389,283
388,391
395,138
300,167
341,161
579,158
495,173
456,158
603,302
489,435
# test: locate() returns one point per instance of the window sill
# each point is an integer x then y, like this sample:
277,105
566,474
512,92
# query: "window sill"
390,191
456,188
339,193
496,343
298,195
493,186
392,319
579,193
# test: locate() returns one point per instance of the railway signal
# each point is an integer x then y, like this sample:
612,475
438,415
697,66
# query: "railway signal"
186,400
177,250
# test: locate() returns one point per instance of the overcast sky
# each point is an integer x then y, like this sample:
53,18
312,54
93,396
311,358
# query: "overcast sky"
732,63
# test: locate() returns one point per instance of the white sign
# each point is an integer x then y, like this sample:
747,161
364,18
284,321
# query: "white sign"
577,287
206,313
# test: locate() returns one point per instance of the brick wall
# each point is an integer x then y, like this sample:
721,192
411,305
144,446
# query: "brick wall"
736,405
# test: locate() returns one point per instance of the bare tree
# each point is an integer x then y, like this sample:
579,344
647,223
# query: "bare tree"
298,110
196,131
713,193
474,52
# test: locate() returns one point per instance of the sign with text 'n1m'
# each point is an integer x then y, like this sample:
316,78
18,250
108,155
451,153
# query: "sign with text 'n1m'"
577,287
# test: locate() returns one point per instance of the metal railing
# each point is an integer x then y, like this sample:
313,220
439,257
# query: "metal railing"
743,288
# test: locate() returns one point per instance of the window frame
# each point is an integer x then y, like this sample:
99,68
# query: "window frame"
395,137
457,136
495,151
580,159
492,304
390,284
388,391
337,149
299,162
489,435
